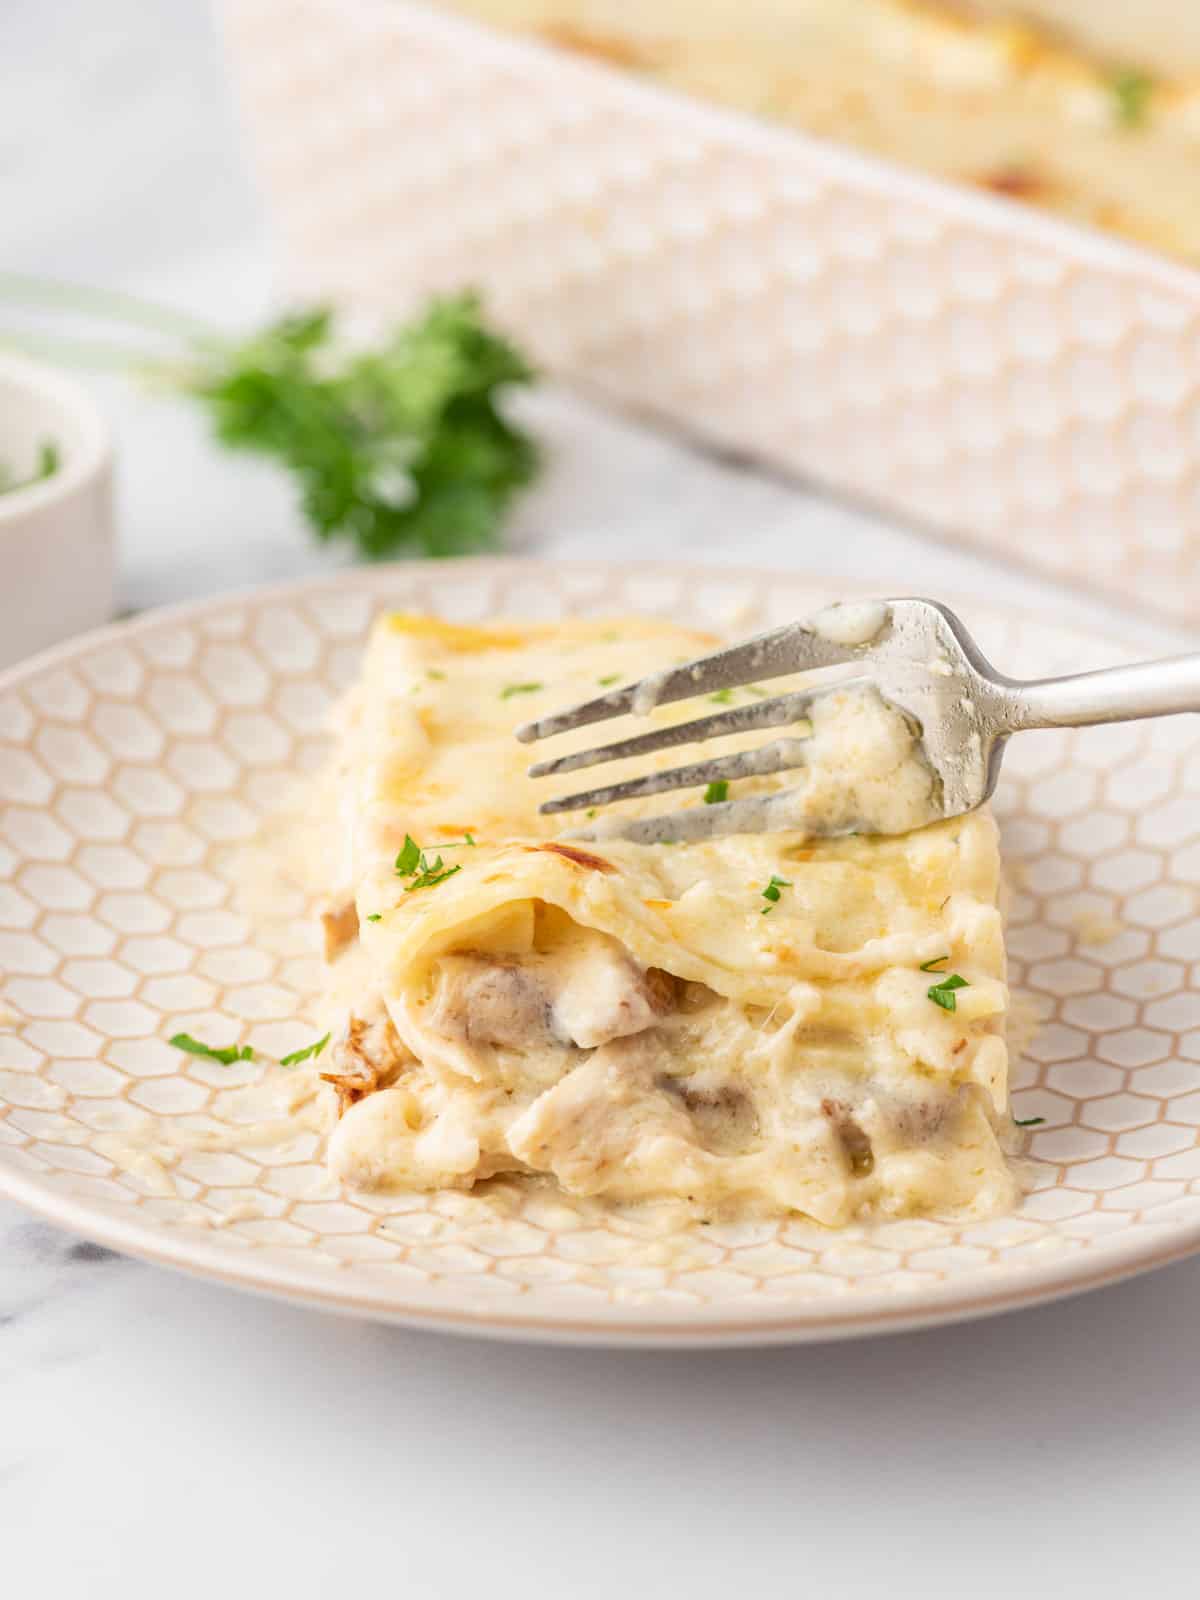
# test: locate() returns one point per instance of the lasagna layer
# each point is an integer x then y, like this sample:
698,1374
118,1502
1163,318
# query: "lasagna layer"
744,1022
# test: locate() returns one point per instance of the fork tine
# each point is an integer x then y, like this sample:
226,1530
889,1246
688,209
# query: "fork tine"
794,648
782,756
764,714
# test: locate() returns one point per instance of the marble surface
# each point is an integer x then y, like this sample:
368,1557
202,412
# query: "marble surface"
162,1436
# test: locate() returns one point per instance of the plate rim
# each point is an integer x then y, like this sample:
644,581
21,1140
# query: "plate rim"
1102,1263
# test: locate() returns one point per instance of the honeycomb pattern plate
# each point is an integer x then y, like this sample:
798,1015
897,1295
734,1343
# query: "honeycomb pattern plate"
134,766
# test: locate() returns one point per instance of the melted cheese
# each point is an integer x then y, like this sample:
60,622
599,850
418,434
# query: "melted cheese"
640,1020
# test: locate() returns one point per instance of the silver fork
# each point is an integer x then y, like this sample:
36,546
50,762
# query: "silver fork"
916,654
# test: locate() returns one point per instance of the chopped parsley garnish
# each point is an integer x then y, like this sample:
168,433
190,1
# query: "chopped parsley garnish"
458,844
520,688
1028,1122
722,697
47,466
1131,91
591,811
309,1053
932,966
716,792
942,994
772,891
226,1054
376,916
412,862
432,672
409,857
609,678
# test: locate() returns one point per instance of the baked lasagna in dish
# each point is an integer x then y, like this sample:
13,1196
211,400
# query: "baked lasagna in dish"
1088,107
767,1022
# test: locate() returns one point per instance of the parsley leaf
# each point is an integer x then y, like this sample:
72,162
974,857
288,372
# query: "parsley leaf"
309,1053
932,966
397,447
414,863
1028,1122
226,1054
409,858
520,688
1131,91
772,891
47,466
716,792
942,994
431,873
722,697
608,679
375,916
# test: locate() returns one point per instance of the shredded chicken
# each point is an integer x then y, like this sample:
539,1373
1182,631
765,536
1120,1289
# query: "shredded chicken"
369,1056
339,924
854,1142
583,996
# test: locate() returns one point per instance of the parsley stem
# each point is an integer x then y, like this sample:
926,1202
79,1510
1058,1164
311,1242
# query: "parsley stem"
114,303
90,354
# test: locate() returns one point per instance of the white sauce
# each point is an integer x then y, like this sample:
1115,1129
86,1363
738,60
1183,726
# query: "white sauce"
850,623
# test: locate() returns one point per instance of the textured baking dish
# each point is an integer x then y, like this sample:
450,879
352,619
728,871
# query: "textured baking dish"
1001,378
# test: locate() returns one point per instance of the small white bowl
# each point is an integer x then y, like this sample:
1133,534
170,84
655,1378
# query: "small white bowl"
56,535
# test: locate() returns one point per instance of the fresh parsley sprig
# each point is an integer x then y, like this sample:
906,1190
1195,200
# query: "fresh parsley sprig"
399,446
717,792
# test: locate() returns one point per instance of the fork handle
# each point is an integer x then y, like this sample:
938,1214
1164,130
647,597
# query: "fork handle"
1116,694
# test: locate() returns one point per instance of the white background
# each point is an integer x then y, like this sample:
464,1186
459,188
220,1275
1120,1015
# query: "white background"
160,1437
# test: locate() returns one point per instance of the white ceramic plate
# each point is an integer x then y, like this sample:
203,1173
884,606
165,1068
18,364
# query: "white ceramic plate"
134,762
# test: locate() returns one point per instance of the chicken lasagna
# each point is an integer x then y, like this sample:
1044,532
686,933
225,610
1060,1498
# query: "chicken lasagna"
765,1022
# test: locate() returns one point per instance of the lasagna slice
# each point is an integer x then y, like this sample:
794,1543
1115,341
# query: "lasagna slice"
767,1022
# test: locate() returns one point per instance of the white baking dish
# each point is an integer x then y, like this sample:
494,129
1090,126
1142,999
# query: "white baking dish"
999,377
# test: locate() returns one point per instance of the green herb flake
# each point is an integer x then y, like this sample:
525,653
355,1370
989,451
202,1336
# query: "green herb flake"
1131,92
716,792
942,994
609,679
591,811
409,858
932,966
414,863
309,1053
48,461
723,697
772,892
432,672
520,688
1028,1122
226,1054
375,916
